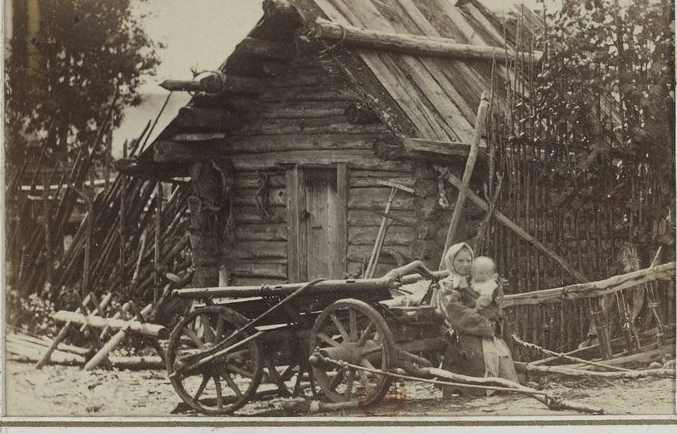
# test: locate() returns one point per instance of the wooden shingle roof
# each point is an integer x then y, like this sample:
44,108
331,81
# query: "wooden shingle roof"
417,95
438,96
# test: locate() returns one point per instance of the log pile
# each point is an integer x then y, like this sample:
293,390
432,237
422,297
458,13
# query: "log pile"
22,347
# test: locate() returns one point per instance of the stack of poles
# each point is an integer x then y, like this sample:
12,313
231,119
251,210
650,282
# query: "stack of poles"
119,258
136,276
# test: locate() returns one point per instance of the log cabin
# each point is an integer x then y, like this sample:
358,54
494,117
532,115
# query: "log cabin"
292,147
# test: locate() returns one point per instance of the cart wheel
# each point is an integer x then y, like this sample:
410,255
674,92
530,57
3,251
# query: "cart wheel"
352,331
224,384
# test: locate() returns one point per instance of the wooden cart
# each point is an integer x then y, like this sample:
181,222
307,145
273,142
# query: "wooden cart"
219,353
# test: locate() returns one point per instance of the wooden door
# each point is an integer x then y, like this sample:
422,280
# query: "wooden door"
321,224
317,215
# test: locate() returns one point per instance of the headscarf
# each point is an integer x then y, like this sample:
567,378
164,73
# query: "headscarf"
454,277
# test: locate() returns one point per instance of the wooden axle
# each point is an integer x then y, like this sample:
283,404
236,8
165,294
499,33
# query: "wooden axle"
285,289
412,44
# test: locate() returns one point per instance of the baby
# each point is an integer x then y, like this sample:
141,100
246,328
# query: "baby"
485,283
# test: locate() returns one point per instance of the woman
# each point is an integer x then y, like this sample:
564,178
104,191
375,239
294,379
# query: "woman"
476,350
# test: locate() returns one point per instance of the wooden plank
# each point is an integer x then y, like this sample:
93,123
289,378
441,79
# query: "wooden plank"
247,197
460,22
190,118
373,217
342,193
329,125
258,250
360,159
299,142
245,144
252,214
306,94
457,20
365,235
302,232
273,232
303,109
485,25
376,198
265,48
438,147
369,181
462,83
293,224
19,352
197,137
592,289
359,253
258,269
389,76
426,76
245,180
321,221
363,82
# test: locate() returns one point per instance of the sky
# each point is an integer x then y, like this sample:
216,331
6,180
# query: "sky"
199,34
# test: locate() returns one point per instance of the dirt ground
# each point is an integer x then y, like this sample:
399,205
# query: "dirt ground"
68,391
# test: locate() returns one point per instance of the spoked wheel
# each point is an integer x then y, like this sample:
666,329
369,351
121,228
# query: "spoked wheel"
223,384
352,331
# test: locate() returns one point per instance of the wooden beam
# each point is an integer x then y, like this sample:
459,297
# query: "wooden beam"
215,83
480,122
165,151
411,44
293,184
266,48
342,193
153,330
438,147
190,118
505,221
592,289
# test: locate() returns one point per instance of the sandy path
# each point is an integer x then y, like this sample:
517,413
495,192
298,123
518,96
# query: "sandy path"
69,391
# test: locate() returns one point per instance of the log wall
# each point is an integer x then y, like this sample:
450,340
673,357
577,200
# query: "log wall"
299,119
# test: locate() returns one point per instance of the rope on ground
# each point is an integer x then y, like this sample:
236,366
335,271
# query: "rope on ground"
547,352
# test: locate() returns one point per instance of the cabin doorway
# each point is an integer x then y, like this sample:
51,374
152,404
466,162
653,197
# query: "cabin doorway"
317,212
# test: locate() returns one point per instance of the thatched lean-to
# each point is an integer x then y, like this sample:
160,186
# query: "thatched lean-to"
310,125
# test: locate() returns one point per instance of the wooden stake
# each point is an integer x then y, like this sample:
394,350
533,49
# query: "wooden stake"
480,123
157,260
59,337
151,330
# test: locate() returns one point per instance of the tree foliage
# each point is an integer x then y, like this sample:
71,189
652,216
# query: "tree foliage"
604,98
83,54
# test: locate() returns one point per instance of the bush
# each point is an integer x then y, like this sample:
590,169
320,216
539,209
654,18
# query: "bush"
31,315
